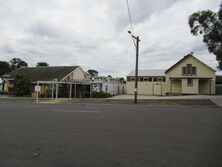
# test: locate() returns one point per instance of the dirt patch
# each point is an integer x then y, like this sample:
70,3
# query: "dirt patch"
53,101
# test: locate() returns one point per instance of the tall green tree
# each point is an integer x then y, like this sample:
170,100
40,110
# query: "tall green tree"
209,24
16,63
4,68
21,85
39,64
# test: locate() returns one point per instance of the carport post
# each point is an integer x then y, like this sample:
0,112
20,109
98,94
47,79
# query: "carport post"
70,91
90,90
57,87
75,90
52,90
37,92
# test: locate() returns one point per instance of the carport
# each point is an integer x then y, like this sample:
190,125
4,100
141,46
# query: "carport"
55,85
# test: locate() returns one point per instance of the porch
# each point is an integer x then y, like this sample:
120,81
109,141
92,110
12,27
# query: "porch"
197,85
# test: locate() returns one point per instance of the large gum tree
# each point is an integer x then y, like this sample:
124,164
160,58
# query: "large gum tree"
209,24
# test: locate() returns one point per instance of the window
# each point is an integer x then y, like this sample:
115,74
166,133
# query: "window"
164,79
159,79
145,79
189,69
140,79
150,79
189,82
194,70
155,79
128,78
106,88
132,79
184,70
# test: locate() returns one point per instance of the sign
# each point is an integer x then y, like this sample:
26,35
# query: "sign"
37,88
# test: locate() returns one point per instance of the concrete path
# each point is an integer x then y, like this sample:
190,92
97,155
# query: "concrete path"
216,99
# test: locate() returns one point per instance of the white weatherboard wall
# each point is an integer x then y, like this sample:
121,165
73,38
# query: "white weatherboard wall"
146,88
112,88
150,82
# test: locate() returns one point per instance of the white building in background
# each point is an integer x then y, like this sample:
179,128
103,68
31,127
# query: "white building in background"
108,84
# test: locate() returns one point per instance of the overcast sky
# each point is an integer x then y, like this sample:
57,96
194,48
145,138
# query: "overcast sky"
93,33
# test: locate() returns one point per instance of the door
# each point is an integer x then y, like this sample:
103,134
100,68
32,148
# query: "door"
157,89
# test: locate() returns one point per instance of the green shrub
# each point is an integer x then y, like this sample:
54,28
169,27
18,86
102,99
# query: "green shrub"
21,85
101,95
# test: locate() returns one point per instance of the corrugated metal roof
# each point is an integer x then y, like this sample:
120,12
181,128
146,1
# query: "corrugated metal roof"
148,72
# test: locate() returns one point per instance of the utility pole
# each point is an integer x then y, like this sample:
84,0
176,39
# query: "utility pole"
136,69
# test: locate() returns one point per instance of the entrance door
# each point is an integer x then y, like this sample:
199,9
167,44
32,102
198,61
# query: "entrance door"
157,89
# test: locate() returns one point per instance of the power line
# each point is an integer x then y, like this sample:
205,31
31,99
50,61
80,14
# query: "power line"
129,14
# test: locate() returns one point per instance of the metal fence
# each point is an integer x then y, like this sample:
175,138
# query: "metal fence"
219,89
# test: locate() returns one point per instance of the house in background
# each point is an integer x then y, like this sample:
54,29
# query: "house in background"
67,75
187,76
108,84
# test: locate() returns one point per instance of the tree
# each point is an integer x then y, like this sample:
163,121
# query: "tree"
17,63
219,79
209,24
4,68
122,80
21,85
92,72
39,64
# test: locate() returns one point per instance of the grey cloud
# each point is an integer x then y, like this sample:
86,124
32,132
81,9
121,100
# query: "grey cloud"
43,29
93,33
7,49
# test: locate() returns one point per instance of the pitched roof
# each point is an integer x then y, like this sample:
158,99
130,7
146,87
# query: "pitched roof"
44,73
148,72
185,57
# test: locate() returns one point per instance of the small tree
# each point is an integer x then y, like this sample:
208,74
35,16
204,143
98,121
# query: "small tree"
93,72
39,64
17,63
122,80
21,85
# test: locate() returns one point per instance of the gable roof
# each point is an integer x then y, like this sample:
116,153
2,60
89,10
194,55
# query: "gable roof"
185,57
44,73
148,72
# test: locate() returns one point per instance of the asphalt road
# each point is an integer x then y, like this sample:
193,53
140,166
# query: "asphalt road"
34,135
